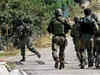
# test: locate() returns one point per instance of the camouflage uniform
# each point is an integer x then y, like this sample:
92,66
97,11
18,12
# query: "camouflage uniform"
76,36
88,27
95,46
97,49
58,27
24,35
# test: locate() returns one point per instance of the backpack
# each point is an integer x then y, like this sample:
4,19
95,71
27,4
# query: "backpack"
88,25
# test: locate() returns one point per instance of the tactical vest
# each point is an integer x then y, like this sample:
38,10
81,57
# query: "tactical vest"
75,31
28,29
58,27
24,31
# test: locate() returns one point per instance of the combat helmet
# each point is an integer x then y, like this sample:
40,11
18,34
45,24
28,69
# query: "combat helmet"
58,12
76,19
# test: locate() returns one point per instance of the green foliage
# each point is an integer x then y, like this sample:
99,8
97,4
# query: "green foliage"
37,10
22,9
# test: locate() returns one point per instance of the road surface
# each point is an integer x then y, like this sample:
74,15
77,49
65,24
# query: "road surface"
45,65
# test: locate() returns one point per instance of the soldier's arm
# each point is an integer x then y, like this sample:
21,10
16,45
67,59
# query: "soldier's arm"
94,16
50,27
72,31
96,27
67,26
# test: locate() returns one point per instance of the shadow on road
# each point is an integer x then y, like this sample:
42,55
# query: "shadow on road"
40,62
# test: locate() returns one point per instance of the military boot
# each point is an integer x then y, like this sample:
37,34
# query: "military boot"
90,65
23,59
38,54
61,66
81,66
56,64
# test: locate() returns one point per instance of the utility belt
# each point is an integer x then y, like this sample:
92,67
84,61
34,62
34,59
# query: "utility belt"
59,39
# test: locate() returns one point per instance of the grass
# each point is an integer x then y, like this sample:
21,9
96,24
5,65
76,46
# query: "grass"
11,51
43,42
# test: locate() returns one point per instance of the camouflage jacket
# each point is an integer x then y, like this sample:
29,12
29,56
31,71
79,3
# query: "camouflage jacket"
58,26
75,31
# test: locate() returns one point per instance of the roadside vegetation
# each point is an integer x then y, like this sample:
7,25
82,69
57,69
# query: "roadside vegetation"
40,12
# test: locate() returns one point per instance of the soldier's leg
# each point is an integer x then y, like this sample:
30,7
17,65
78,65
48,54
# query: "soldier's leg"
97,61
78,55
77,47
90,57
35,51
82,58
94,51
61,55
29,46
54,53
90,52
23,53
94,54
83,54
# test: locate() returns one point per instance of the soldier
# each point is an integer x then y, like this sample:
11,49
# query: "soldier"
88,28
97,44
98,22
76,36
58,27
97,49
24,35
92,41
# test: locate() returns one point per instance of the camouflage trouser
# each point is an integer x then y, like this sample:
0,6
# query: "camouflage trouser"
26,42
76,42
61,42
86,50
97,51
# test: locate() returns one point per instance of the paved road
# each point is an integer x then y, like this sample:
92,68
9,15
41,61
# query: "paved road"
45,65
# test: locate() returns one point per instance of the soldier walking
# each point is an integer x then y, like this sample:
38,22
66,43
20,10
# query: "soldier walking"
24,35
97,49
76,36
88,28
58,26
